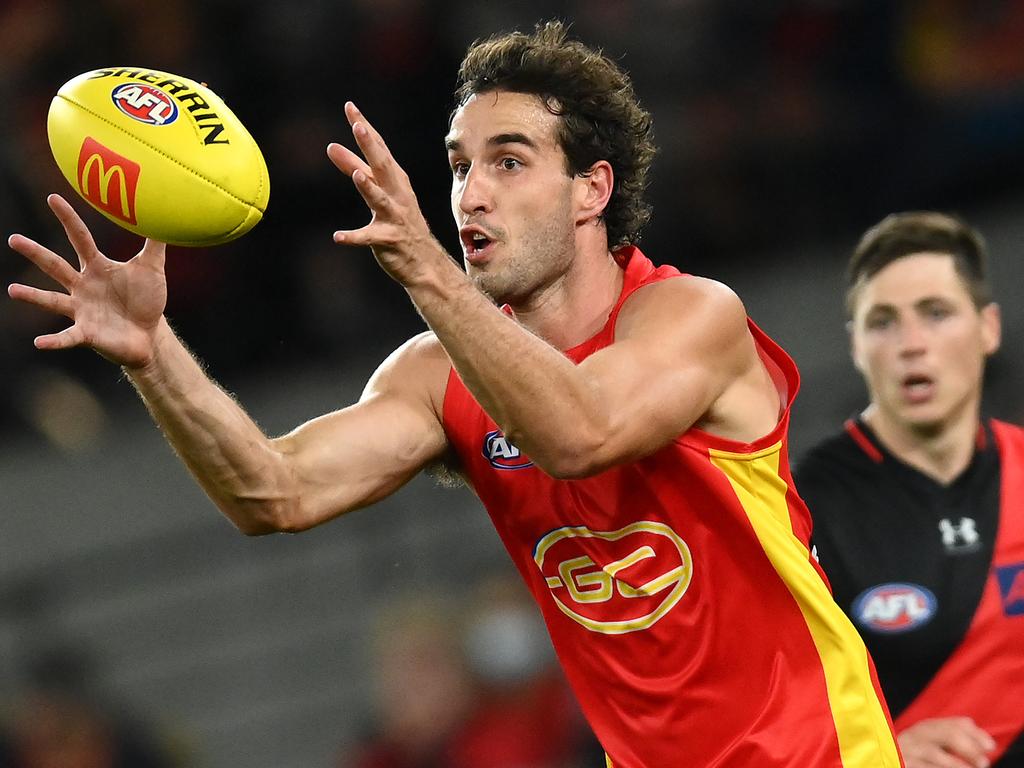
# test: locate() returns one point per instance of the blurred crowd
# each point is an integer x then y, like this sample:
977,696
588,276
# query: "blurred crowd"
780,123
470,685
458,682
60,717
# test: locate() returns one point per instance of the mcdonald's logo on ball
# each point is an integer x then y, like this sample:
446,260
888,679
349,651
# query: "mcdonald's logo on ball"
108,180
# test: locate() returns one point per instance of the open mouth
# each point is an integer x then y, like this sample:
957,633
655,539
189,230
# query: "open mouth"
918,387
475,244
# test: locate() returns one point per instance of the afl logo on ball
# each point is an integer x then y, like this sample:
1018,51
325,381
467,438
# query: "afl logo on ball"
893,608
145,103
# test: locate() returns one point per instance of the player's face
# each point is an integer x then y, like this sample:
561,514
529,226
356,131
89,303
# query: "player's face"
511,194
920,342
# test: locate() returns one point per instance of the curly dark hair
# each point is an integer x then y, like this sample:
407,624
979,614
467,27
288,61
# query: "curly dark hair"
601,118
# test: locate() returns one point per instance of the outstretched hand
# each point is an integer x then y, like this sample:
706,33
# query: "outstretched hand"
115,307
398,232
945,742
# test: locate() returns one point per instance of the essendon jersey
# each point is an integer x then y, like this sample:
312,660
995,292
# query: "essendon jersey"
680,594
931,574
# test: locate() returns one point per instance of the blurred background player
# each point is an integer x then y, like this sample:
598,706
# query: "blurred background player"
918,503
422,688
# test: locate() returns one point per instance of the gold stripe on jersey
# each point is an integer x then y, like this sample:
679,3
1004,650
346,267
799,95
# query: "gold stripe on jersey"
861,728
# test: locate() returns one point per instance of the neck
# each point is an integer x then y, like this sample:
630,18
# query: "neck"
940,451
575,306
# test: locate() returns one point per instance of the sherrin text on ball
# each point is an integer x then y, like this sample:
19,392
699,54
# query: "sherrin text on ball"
159,155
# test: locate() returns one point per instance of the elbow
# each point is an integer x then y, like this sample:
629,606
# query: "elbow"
267,517
572,468
566,471
569,454
576,460
250,528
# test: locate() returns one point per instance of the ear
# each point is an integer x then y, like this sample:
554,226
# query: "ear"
592,190
855,351
991,328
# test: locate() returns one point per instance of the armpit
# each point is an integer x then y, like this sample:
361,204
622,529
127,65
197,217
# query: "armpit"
446,471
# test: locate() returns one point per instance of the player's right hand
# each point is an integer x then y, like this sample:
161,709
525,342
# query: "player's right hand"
115,307
945,742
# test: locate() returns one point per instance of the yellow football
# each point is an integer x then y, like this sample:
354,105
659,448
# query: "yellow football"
159,155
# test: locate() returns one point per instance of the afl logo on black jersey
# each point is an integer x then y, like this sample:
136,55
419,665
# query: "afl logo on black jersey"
500,452
893,608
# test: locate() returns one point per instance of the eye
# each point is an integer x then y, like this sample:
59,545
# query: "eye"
459,169
509,163
879,322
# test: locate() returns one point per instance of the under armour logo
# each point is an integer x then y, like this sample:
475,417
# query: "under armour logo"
960,537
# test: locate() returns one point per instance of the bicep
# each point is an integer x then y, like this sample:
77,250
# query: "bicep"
356,456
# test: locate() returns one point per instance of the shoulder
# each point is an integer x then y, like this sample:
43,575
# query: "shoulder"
833,455
1007,429
834,470
684,293
687,304
418,367
425,349
423,352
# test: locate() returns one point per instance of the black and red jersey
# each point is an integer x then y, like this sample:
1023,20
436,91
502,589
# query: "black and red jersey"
932,575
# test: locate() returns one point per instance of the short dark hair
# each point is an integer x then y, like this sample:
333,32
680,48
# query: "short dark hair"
912,232
601,116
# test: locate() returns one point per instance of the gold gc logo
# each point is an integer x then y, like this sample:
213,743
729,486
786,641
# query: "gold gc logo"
614,582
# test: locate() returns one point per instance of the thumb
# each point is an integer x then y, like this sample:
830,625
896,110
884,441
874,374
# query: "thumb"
153,253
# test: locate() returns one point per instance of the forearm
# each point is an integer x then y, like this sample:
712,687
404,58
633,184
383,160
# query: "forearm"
535,394
231,458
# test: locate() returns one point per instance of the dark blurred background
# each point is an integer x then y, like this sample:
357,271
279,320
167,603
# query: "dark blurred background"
785,129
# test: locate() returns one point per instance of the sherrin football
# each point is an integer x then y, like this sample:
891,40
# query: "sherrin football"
159,155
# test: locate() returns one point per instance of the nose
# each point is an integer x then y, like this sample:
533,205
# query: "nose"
475,196
912,338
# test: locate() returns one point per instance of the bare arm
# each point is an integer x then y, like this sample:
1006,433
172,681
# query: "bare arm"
333,464
681,346
338,462
683,354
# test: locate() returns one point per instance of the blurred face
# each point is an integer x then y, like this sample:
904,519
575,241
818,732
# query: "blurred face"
921,343
512,196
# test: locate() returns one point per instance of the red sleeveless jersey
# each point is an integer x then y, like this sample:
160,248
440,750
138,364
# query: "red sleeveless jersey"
690,618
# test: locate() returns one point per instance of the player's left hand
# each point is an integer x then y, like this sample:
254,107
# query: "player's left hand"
945,742
398,232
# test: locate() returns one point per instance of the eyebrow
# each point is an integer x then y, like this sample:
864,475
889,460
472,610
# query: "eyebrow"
876,309
922,303
454,145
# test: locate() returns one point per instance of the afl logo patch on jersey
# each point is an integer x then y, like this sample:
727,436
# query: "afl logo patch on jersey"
893,608
500,452
1011,588
614,582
